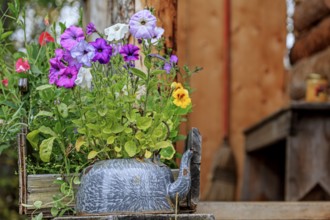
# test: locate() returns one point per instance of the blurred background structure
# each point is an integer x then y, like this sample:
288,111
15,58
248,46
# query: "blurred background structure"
241,46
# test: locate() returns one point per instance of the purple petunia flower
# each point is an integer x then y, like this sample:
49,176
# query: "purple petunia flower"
67,78
70,60
103,51
174,59
169,65
71,37
90,29
65,57
130,52
55,70
142,24
83,52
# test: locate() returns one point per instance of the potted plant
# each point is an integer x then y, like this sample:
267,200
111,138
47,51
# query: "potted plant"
103,106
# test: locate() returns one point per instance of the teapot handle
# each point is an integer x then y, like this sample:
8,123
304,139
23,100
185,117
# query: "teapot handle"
194,143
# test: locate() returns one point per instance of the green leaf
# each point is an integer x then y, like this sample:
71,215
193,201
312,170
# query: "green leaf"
144,123
76,180
147,62
93,126
117,149
38,217
147,154
44,87
63,27
156,72
139,135
64,188
46,147
36,71
37,204
102,112
111,139
128,130
138,73
163,144
117,128
54,211
80,141
6,34
107,130
33,138
131,116
63,110
159,132
167,153
130,148
92,154
44,113
47,130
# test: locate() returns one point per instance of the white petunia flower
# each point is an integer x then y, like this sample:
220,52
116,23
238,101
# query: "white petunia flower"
84,78
116,32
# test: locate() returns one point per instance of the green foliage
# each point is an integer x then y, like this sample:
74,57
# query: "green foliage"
130,111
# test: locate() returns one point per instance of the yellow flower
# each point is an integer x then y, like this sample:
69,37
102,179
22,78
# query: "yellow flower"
176,86
181,98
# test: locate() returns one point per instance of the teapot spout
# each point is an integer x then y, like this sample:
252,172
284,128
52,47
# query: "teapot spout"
182,185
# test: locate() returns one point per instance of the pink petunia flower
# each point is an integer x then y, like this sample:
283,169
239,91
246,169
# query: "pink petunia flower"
22,65
5,82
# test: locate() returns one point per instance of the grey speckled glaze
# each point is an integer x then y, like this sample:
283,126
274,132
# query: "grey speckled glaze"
129,185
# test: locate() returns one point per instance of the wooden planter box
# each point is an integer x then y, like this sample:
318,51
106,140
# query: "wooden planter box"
42,187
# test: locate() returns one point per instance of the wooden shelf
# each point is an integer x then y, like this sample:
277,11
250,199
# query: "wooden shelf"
287,155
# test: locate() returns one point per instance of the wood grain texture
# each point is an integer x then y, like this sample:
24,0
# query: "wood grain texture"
266,210
308,156
199,40
298,161
269,131
258,75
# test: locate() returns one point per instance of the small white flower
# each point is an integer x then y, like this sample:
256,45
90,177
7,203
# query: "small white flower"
116,32
84,78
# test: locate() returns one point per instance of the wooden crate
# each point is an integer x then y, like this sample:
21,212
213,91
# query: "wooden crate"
42,187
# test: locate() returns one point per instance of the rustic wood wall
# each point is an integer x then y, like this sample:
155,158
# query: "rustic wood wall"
258,78
258,75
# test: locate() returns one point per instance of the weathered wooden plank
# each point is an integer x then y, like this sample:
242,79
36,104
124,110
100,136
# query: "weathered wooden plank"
308,157
264,174
145,217
270,130
266,210
21,140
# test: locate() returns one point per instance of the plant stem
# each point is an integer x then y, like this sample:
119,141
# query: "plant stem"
147,92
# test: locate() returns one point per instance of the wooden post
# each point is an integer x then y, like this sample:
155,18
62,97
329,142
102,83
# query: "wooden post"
104,13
